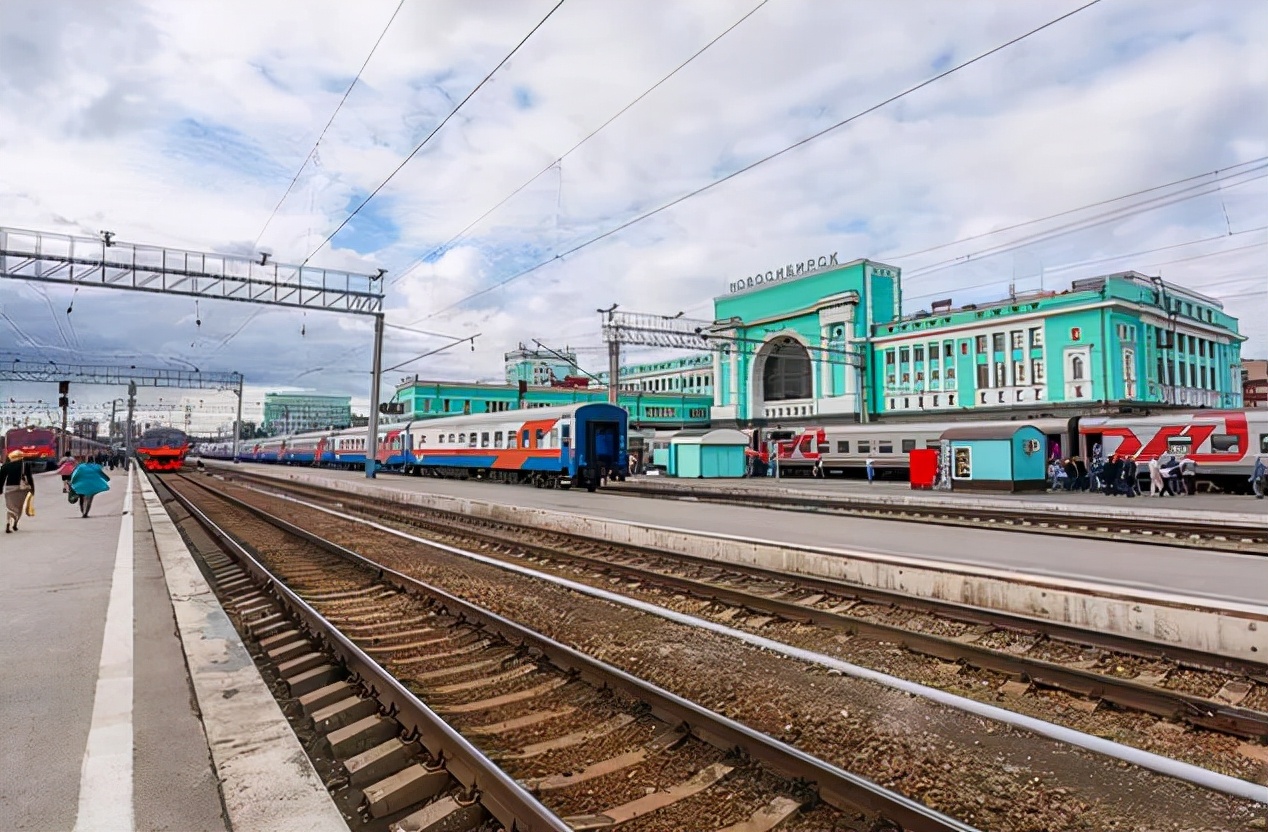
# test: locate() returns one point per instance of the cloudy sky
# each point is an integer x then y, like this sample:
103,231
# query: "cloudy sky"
1131,135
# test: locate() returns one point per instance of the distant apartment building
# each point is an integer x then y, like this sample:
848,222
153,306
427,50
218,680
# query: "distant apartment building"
295,412
1254,374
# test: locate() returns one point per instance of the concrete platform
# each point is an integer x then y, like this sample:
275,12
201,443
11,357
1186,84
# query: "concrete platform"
1232,508
1214,576
105,727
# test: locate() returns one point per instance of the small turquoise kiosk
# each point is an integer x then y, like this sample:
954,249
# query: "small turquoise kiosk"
707,453
1007,458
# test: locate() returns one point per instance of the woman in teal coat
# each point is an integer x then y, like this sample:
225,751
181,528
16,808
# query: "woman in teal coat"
87,481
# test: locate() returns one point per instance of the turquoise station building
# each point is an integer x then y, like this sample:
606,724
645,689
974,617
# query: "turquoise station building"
831,343
821,341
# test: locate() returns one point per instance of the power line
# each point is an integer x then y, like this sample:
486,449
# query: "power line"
331,121
434,131
445,245
1067,212
696,192
1183,195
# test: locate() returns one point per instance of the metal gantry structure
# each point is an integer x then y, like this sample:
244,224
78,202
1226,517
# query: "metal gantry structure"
647,330
35,370
106,262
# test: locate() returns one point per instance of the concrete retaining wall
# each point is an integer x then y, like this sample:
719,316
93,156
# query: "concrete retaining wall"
1232,630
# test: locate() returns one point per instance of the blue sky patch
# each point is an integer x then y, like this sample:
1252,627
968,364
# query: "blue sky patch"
371,229
207,145
524,98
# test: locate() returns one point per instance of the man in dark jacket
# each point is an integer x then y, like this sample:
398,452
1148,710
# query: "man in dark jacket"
1113,469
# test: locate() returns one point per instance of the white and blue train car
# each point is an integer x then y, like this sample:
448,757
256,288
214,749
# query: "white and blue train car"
577,444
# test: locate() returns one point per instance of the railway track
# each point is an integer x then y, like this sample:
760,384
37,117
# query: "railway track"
1208,692
483,704
1193,532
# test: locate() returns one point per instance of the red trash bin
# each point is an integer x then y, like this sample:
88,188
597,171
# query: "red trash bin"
923,465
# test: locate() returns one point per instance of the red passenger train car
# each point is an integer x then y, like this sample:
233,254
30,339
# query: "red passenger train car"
162,449
40,445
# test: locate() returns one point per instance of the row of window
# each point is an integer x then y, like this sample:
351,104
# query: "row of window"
500,439
998,342
884,446
935,400
692,383
1013,373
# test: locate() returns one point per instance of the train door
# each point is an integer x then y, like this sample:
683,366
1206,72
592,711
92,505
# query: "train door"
600,452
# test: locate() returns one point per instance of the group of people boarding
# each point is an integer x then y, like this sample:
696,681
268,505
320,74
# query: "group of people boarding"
1120,476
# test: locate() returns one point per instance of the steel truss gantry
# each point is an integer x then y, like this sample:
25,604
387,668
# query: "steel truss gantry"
113,264
36,370
648,330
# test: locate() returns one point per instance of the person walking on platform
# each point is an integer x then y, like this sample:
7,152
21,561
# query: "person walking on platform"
88,481
1155,478
1259,478
65,468
1189,476
871,470
18,486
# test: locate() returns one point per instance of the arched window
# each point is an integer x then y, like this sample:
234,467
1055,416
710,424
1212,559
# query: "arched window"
1076,368
786,374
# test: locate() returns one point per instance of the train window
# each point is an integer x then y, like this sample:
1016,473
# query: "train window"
497,439
462,439
843,446
564,428
883,447
471,440
524,440
865,446
451,439
540,435
1263,443
933,444
909,445
1225,443
512,439
484,439
554,438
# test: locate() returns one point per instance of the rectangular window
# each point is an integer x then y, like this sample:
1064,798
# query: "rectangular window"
950,373
948,348
884,447
909,445
1224,443
1202,376
918,353
962,463
1036,336
934,352
983,376
471,442
904,355
997,342
1019,372
1263,443
889,358
1036,371
980,343
865,445
484,439
843,446
541,434
1018,339
1001,380
512,439
935,374
497,439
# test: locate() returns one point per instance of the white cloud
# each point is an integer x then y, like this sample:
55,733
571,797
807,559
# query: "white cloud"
183,123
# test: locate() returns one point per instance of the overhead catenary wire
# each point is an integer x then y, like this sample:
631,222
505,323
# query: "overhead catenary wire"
433,132
311,154
752,165
596,131
329,122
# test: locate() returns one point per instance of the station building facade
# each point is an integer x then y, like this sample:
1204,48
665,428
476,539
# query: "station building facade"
828,342
434,399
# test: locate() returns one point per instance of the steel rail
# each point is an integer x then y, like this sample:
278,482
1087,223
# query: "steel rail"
835,786
962,613
505,799
1194,533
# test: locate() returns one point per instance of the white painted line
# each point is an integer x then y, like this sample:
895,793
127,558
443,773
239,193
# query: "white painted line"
1156,762
105,781
266,780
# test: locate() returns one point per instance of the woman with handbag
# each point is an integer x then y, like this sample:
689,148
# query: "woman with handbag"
18,486
87,481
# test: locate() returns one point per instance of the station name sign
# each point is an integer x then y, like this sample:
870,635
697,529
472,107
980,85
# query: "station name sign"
792,270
